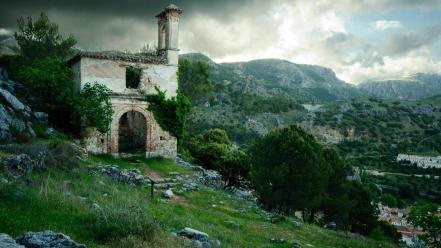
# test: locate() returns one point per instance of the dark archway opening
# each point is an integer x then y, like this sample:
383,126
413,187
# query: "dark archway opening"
132,132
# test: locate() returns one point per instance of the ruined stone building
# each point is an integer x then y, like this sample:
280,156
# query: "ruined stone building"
133,127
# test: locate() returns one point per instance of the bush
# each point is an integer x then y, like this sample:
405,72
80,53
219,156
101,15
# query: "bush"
50,81
213,150
94,107
170,113
194,79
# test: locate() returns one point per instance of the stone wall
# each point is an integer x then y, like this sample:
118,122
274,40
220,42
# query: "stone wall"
112,73
158,142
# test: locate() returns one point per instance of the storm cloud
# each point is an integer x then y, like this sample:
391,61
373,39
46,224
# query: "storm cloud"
302,31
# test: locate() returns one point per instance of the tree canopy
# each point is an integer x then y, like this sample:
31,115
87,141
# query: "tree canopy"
41,39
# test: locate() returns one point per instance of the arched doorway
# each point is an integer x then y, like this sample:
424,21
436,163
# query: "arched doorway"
132,131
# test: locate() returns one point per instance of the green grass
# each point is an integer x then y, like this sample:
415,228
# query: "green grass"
53,200
160,166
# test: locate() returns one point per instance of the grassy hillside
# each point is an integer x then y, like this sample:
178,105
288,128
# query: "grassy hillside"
62,199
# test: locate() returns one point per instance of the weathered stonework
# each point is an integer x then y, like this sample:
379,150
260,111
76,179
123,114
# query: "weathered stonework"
109,69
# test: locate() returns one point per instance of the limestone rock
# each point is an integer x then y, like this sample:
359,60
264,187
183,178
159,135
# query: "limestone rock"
128,176
193,234
42,117
168,194
7,242
47,239
212,179
11,100
19,165
5,121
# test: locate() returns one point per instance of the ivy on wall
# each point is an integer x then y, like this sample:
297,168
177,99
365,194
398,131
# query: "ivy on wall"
170,113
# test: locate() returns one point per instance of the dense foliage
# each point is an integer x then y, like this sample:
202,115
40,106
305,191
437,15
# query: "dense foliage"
94,107
40,39
428,217
194,79
291,171
213,149
170,113
51,84
288,170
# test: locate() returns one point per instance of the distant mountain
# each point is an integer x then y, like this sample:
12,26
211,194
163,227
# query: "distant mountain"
281,78
418,86
251,98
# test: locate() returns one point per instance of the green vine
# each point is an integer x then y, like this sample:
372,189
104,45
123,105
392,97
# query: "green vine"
170,113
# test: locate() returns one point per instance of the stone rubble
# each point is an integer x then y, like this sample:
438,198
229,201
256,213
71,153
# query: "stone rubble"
22,164
47,239
128,176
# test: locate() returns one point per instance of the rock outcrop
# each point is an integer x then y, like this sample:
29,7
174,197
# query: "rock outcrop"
16,118
7,242
22,164
47,239
128,176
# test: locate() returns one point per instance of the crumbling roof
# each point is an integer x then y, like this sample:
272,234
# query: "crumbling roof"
169,8
121,56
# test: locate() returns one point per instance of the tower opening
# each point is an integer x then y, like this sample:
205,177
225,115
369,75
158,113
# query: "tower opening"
133,77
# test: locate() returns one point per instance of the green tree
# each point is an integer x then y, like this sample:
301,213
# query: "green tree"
389,200
288,170
94,107
214,150
51,84
194,79
428,217
337,204
41,39
363,213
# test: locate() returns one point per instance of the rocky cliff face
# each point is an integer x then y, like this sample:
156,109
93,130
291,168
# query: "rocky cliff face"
418,86
17,120
281,78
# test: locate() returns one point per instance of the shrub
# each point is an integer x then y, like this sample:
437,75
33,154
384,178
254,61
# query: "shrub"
170,113
213,150
94,107
50,81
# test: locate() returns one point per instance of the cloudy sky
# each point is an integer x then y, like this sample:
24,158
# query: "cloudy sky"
358,39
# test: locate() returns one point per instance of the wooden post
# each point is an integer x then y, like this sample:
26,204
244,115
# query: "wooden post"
152,184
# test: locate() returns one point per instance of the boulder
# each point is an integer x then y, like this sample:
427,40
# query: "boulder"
193,234
41,117
128,176
12,101
5,122
3,74
47,239
19,165
7,242
168,194
212,179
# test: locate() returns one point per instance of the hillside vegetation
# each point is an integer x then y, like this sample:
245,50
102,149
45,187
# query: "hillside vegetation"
64,200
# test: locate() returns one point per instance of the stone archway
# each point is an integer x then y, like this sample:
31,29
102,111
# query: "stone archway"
132,132
131,117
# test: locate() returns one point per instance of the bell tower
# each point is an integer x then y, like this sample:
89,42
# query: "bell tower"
168,33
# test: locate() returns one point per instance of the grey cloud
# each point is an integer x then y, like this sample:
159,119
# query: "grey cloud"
402,43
